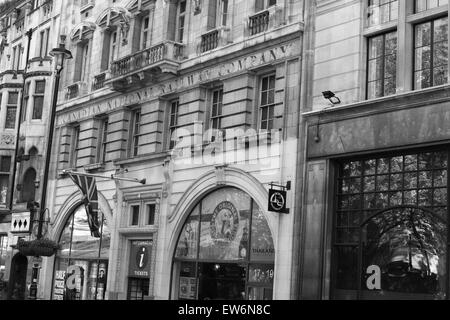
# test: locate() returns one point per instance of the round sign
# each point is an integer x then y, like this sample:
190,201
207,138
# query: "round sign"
277,201
142,257
224,222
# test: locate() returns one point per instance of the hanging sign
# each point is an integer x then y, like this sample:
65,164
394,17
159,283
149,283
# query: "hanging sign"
139,265
277,201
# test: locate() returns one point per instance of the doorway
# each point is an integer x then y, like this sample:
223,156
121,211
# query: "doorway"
18,277
222,281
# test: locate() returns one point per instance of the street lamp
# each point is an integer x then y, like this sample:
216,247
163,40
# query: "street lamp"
59,55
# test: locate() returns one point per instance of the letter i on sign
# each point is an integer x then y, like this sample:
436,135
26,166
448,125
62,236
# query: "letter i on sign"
141,261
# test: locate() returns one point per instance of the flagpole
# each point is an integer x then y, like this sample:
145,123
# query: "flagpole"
112,177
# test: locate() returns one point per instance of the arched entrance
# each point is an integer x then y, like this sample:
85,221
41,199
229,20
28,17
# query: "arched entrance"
225,250
18,277
81,265
408,246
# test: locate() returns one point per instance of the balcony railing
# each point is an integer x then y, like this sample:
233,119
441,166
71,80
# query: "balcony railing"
99,81
146,58
210,41
259,22
72,91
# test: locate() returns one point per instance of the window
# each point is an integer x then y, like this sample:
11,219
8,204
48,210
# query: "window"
134,215
216,113
26,96
85,62
38,98
17,56
11,110
382,64
103,142
135,132
267,102
137,288
382,11
43,48
5,167
3,257
392,212
264,4
75,144
423,5
173,122
113,47
431,53
145,32
150,214
181,20
223,12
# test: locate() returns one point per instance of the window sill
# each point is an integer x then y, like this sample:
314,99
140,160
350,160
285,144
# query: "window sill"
380,28
94,166
427,15
137,230
142,158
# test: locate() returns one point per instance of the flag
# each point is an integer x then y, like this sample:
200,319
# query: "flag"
88,188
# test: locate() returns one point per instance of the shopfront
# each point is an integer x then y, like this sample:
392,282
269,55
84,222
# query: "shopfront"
81,265
225,250
391,226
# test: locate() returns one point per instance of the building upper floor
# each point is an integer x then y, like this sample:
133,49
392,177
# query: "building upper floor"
372,49
126,44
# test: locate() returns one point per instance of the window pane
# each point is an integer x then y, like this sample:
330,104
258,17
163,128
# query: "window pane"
134,215
38,105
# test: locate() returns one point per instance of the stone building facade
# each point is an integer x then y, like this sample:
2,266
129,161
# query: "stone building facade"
201,99
376,185
27,29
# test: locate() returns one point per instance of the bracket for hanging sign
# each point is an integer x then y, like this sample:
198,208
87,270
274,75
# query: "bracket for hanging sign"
277,198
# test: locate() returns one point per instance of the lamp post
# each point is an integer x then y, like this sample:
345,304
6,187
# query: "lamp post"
59,55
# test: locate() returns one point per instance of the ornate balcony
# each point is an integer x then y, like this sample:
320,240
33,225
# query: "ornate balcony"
264,20
75,90
214,38
147,65
99,81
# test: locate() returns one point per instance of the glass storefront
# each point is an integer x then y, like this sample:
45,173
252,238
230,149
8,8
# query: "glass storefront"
81,265
225,250
390,227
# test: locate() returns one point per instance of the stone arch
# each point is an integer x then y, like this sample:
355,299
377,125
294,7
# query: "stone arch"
110,14
213,180
70,205
33,151
79,31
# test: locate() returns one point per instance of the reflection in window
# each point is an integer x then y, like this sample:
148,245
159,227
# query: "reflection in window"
382,11
423,5
369,186
382,65
88,257
223,234
431,53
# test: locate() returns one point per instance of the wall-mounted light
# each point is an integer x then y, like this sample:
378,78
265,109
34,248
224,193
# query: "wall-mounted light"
331,96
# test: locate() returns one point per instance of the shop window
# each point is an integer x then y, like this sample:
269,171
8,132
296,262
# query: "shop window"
382,11
81,265
3,256
431,53
391,217
139,269
267,102
11,110
225,250
423,5
382,65
38,98
137,288
135,132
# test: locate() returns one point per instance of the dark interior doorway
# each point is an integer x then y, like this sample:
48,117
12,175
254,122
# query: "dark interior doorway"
18,278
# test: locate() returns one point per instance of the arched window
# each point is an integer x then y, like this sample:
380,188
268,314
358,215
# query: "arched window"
225,250
33,151
28,186
81,265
